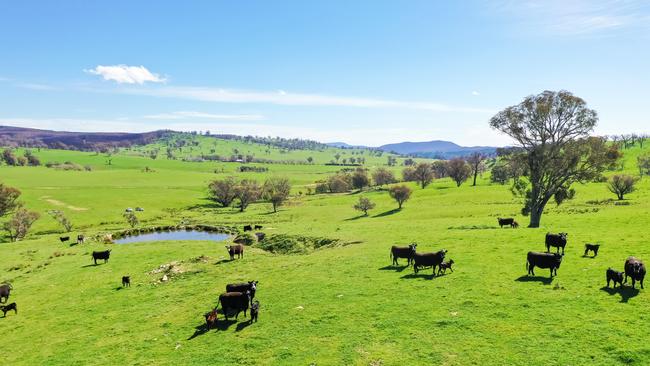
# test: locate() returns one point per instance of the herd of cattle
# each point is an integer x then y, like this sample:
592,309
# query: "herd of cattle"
239,296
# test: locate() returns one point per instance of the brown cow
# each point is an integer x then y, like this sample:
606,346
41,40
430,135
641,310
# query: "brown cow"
211,318
235,249
5,291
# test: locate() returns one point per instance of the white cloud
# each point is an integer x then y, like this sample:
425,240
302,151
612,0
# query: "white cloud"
474,92
293,99
201,115
123,74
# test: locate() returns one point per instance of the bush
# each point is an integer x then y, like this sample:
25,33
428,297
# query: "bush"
20,223
245,239
621,185
294,244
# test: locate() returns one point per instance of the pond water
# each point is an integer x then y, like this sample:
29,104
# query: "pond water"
173,235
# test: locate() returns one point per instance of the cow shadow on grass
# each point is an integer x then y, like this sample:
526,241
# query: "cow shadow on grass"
242,325
200,330
426,276
544,280
93,265
394,268
626,292
388,213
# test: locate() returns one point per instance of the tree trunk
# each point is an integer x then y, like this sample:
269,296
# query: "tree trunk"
535,217
475,174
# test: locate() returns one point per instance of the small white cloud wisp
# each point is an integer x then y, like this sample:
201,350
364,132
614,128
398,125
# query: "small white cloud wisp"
201,115
124,74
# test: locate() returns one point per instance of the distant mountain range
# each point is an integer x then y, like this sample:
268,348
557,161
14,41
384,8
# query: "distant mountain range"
429,149
19,136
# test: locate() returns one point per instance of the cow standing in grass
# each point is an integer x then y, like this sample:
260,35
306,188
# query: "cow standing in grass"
403,252
236,249
211,318
508,221
5,291
635,269
426,260
234,302
591,247
551,261
250,286
615,276
556,240
101,255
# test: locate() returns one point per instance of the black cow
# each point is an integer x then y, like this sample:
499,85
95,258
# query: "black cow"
6,308
593,247
260,236
543,260
64,238
258,227
508,221
635,269
234,302
255,310
444,266
514,224
248,228
235,249
615,276
126,281
556,240
101,255
5,291
403,252
250,286
428,260
81,239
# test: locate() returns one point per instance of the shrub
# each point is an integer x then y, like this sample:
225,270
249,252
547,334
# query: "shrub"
621,185
245,239
294,244
20,223
400,194
364,204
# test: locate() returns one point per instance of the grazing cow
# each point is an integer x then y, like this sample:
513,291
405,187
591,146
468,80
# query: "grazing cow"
139,209
81,239
126,281
403,252
101,255
6,308
615,276
250,286
258,227
235,249
129,209
446,265
505,221
635,269
514,224
234,302
211,318
556,240
260,236
593,247
255,310
543,260
248,228
64,238
428,260
5,291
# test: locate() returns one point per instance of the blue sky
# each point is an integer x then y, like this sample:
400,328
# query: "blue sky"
363,72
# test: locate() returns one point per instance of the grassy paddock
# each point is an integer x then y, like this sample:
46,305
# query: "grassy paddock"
341,305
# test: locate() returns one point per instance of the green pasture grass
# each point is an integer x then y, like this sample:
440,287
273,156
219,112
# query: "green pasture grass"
344,305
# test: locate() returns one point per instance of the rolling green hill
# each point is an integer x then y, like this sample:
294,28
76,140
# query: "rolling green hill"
339,305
